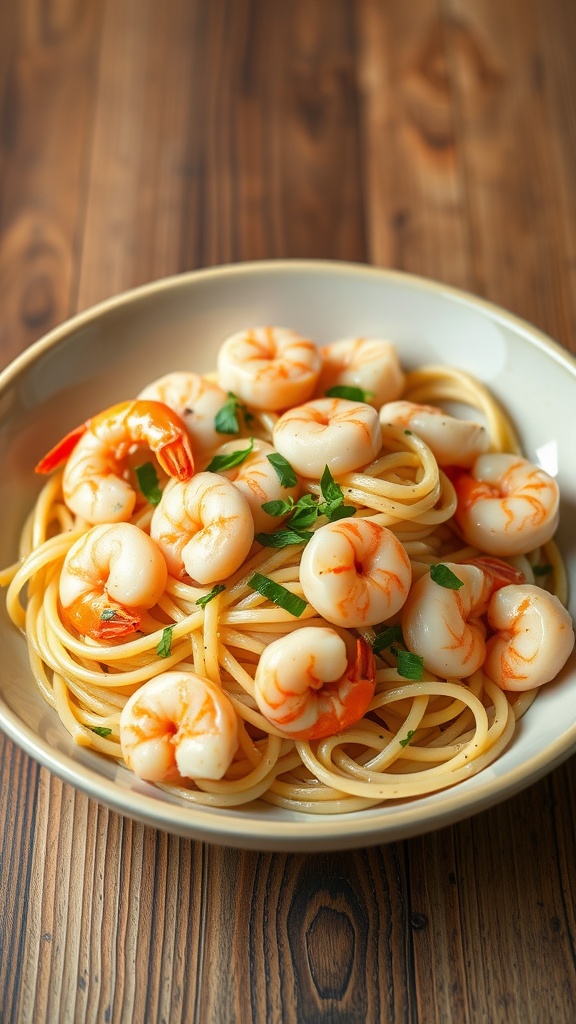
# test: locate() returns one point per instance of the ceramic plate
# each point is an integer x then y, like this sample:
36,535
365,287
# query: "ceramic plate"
109,352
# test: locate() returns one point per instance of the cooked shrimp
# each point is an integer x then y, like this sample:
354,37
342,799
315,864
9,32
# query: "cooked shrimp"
94,482
367,363
355,573
444,626
453,441
269,367
178,726
109,576
533,640
204,528
506,505
309,686
196,400
258,481
328,432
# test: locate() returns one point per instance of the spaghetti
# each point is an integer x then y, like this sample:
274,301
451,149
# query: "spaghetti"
418,736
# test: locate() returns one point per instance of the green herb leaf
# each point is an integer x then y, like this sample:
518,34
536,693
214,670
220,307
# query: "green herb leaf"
278,507
341,512
101,730
164,648
331,491
206,598
283,538
284,471
410,666
444,577
148,482
107,614
351,393
541,570
278,594
230,459
407,738
387,638
304,514
226,419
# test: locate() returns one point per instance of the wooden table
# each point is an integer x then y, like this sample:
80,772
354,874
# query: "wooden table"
139,139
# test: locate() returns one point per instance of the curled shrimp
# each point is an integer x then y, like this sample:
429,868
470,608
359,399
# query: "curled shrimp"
269,367
331,432
533,637
506,505
309,686
367,363
204,528
109,576
94,482
355,573
258,481
176,726
197,401
453,441
443,624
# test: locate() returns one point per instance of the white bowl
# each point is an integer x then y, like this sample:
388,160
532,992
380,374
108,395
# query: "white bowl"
108,353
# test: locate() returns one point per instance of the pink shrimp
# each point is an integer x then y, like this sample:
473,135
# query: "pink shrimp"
94,482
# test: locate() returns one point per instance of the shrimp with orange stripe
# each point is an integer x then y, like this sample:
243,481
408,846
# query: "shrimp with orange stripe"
95,483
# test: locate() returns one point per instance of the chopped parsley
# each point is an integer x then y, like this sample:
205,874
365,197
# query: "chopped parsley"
278,594
107,614
206,598
284,471
410,666
164,648
101,730
407,738
444,577
226,420
230,459
387,638
351,393
148,482
303,513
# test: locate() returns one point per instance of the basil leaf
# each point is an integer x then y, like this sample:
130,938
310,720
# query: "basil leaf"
278,594
410,666
101,730
148,482
284,471
229,459
164,648
351,393
206,598
444,577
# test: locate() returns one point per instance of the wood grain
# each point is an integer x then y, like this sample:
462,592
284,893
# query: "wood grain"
141,139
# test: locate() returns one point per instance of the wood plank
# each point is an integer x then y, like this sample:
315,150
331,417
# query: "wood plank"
518,155
414,182
46,117
236,156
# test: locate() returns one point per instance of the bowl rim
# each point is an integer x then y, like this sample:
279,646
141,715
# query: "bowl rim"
302,831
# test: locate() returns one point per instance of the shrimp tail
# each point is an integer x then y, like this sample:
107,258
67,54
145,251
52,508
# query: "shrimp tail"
353,700
498,573
176,459
101,618
61,451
